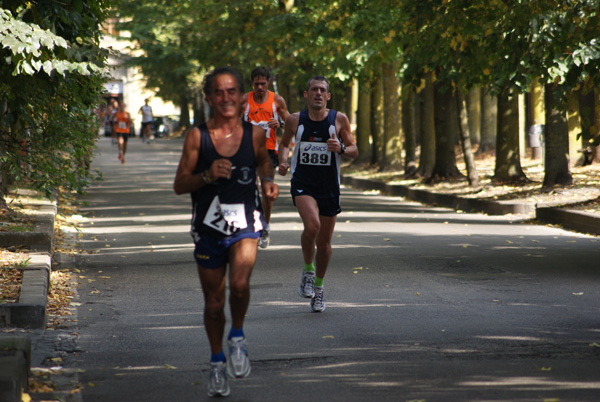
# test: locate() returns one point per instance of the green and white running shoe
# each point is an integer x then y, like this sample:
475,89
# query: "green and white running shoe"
238,364
307,284
317,302
217,380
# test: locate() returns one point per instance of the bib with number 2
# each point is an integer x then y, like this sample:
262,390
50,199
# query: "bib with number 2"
225,218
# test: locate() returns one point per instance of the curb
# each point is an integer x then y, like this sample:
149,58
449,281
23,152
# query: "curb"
40,239
15,362
30,311
446,200
582,222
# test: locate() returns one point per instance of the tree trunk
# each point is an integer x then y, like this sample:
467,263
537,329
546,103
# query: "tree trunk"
474,114
445,136
489,122
508,160
538,120
392,145
574,122
586,111
377,121
557,171
184,106
427,156
465,138
408,127
363,126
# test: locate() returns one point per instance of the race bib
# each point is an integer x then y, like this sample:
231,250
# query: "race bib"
265,126
226,218
314,153
122,125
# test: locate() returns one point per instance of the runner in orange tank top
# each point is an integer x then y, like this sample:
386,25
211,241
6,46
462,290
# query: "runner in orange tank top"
122,122
268,110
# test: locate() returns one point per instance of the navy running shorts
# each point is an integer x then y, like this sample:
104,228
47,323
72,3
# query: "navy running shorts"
328,205
213,253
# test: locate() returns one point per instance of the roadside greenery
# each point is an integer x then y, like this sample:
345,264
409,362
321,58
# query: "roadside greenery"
51,76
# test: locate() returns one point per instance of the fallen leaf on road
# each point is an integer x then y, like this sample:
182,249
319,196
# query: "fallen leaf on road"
546,369
328,337
594,345
578,294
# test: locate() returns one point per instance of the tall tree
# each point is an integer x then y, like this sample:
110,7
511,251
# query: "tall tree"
51,78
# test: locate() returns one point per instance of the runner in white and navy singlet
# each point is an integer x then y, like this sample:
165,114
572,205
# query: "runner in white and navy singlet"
217,210
315,170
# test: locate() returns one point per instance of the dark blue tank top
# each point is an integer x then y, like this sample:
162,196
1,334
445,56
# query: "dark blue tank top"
313,166
227,207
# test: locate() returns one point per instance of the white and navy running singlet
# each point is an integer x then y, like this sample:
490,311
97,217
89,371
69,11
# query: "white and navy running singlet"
227,207
314,167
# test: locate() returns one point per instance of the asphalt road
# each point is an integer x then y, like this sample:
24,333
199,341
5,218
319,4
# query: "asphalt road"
423,303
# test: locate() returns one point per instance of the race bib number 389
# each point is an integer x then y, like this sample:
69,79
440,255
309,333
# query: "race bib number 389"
314,153
226,218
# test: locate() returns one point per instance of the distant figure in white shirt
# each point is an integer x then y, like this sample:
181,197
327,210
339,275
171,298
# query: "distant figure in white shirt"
147,120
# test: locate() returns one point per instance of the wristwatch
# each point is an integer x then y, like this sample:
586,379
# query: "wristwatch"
343,149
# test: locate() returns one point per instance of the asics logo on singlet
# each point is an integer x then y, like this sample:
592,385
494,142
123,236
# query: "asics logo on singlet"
315,147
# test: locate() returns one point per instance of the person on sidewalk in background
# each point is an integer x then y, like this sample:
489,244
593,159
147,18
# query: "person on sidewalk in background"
147,120
111,116
122,122
219,166
267,110
322,136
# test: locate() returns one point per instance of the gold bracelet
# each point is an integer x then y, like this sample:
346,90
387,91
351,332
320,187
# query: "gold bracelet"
206,176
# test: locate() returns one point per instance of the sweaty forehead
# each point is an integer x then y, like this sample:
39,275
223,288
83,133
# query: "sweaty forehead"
259,80
225,82
318,84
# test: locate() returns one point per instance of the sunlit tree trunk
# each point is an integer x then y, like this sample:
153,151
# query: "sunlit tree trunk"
556,158
392,146
465,138
489,122
363,128
574,122
408,128
508,160
377,121
474,114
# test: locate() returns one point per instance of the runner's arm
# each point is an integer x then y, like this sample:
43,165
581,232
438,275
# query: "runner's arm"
345,135
185,179
289,130
265,169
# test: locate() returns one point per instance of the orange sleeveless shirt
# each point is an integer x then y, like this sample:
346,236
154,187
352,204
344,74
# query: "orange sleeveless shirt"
122,125
260,114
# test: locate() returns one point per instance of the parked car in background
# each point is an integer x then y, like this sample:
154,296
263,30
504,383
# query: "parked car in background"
162,126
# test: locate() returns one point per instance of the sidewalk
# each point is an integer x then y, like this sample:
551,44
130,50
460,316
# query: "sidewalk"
17,347
576,221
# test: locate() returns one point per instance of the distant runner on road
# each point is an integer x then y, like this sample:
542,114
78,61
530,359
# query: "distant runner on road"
322,137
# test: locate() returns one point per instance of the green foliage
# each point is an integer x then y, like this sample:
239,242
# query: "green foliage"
51,79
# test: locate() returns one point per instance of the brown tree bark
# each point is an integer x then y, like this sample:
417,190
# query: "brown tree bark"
408,128
392,145
377,121
508,160
556,160
445,136
363,127
465,138
489,122
427,137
